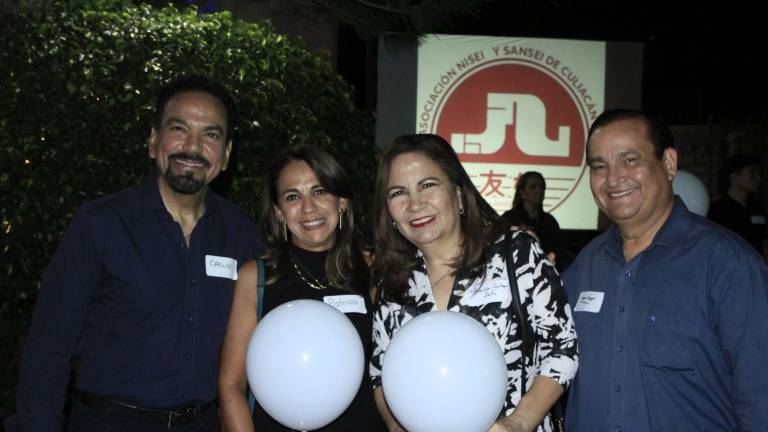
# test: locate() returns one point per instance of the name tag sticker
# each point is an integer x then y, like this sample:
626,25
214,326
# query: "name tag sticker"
347,303
758,219
496,291
224,267
589,301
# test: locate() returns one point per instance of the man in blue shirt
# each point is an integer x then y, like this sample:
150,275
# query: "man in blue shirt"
670,308
135,301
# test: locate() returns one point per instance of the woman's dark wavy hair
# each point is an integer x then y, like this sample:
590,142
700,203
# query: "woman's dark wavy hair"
396,256
522,182
344,265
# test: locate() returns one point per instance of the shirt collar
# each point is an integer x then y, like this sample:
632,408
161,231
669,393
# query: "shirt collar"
674,232
150,193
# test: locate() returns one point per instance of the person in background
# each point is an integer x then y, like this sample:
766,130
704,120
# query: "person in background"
738,209
312,253
440,246
136,298
527,213
670,307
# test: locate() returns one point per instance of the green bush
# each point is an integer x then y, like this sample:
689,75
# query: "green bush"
77,94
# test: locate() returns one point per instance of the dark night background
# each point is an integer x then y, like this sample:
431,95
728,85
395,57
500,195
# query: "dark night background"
702,63
702,66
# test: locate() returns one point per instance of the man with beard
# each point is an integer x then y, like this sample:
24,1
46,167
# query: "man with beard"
134,303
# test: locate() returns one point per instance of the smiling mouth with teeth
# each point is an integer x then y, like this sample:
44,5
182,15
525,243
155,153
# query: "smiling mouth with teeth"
420,223
191,161
620,194
313,224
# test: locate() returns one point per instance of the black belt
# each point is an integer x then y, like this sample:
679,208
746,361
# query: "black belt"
178,416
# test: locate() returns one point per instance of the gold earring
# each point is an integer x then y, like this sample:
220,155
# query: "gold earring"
341,217
285,231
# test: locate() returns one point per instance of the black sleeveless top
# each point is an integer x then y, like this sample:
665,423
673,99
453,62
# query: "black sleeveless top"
361,414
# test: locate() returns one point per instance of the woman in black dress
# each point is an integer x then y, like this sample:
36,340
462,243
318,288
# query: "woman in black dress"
527,213
312,253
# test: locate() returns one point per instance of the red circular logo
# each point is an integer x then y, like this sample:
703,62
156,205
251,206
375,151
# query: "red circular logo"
516,112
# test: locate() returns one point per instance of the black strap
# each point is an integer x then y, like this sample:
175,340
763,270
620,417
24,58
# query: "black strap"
259,313
260,288
521,244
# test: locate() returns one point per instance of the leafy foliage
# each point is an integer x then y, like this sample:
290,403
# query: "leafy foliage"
79,83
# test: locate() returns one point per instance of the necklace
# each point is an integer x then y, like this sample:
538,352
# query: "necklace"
440,279
309,279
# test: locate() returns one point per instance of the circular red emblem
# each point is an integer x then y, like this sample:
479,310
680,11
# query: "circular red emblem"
519,114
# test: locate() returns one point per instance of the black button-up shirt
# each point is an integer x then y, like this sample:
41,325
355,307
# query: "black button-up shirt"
136,313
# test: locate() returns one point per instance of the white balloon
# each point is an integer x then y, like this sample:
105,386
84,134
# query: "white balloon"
305,364
443,371
692,191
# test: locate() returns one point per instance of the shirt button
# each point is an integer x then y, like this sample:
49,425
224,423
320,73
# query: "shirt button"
628,274
189,317
194,281
621,308
619,348
617,388
182,245
186,357
617,429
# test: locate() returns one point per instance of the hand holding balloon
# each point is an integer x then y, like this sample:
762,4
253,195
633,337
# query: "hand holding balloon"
305,364
444,372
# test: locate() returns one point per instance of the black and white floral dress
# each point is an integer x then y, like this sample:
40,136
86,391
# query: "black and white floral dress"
488,300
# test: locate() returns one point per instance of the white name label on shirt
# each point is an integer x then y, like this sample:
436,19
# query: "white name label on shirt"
589,301
347,303
758,219
496,291
216,266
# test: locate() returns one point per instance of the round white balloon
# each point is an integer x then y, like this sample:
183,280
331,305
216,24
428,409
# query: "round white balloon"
692,191
443,371
305,364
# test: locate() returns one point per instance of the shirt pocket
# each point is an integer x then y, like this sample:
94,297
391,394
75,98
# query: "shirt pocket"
667,344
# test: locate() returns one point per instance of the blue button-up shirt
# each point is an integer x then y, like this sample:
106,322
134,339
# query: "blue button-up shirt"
674,340
134,311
